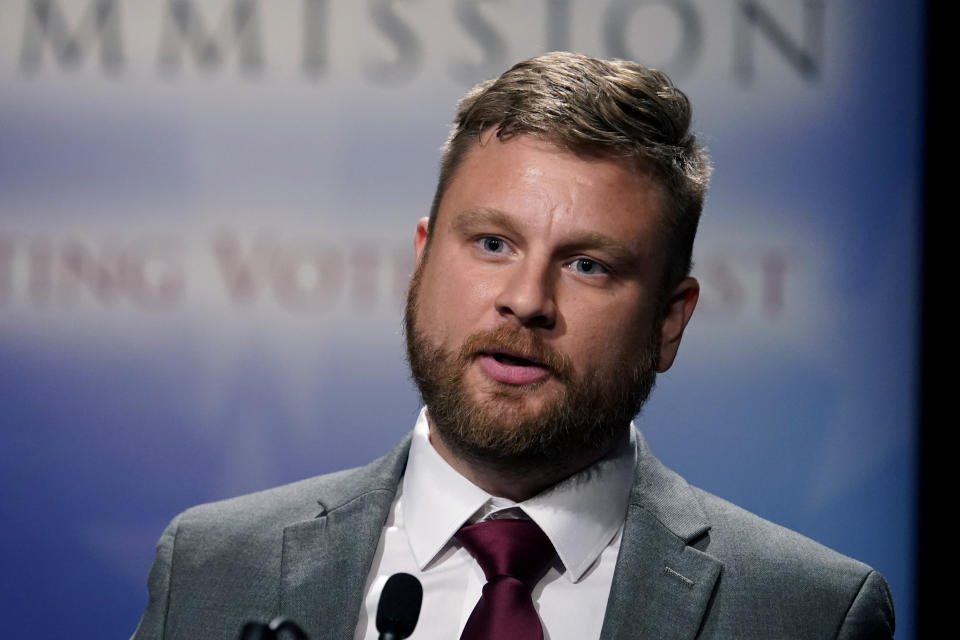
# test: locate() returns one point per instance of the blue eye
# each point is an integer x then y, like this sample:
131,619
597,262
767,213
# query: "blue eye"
493,244
589,267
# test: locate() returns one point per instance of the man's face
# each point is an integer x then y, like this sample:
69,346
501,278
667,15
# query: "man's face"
534,322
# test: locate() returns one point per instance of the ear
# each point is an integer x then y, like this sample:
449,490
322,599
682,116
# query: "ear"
676,315
420,239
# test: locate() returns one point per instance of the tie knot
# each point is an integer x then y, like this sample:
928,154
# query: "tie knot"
515,548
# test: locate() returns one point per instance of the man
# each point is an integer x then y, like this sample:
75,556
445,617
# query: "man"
551,286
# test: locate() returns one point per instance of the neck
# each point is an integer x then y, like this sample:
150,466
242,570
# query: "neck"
503,480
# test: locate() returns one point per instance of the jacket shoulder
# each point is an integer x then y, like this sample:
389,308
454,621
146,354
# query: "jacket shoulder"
277,507
220,563
789,580
739,535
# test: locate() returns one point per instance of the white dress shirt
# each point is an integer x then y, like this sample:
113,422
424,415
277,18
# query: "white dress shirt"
582,516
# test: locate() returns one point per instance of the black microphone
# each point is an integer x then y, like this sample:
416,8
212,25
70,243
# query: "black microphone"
272,631
257,631
399,607
279,625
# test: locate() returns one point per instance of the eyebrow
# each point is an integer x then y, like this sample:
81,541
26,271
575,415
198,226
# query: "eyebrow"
620,255
467,219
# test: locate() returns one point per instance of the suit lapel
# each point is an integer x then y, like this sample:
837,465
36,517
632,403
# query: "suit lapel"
661,584
326,560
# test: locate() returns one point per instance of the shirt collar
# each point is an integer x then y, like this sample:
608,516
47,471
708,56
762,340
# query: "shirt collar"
580,515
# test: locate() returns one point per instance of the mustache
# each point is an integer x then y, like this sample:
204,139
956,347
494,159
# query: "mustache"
518,341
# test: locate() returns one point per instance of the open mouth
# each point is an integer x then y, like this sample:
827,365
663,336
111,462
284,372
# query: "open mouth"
516,361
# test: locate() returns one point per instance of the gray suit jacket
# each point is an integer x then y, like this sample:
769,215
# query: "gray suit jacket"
690,566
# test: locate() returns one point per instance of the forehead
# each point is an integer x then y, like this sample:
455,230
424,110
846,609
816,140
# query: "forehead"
546,185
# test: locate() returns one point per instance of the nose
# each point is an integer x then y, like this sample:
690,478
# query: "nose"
528,295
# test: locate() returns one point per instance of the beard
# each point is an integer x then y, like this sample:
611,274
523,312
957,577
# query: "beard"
580,423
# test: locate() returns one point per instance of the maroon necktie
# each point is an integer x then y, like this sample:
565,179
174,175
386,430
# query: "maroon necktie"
514,555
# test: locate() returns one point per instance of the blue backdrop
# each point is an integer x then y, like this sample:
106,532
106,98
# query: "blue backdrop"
206,223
